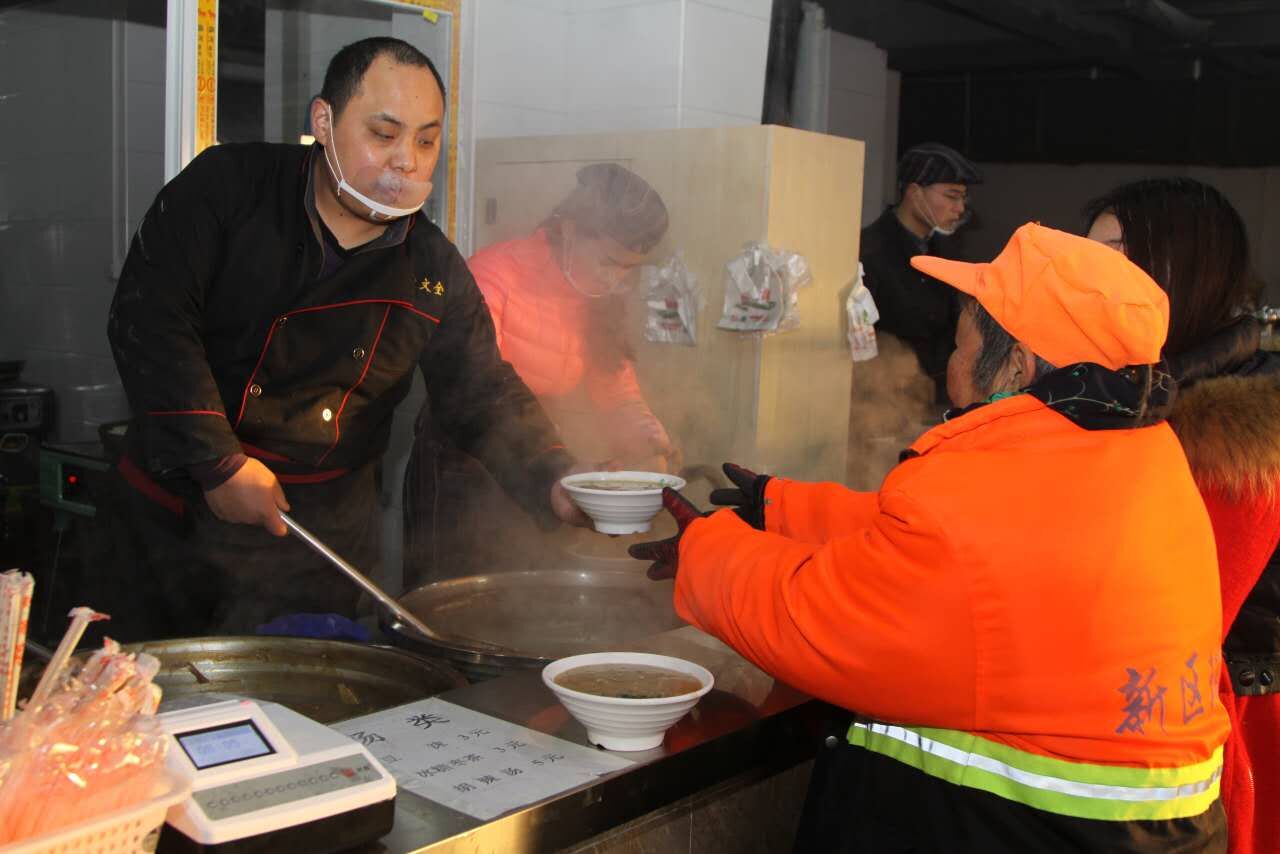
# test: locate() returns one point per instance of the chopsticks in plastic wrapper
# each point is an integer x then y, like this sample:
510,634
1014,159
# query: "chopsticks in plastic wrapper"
86,744
15,604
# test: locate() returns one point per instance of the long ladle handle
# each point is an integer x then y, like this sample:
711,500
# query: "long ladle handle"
402,613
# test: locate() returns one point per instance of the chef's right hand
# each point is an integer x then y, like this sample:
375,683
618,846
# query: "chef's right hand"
251,496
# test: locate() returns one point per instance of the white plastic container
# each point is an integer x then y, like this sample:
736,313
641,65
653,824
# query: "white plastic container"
618,723
127,831
620,511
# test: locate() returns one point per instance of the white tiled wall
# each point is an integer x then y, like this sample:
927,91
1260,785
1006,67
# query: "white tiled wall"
520,56
691,118
493,119
761,9
583,66
623,57
62,225
631,119
724,59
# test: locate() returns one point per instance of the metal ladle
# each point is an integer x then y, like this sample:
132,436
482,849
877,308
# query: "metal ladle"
404,615
401,613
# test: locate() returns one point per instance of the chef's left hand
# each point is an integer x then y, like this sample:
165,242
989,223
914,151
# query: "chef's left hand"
647,446
562,505
672,457
665,554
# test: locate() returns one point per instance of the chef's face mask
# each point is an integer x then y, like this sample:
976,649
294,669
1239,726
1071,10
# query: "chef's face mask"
386,186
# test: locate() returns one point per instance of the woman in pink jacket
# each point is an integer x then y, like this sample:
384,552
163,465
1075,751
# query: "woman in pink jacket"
558,302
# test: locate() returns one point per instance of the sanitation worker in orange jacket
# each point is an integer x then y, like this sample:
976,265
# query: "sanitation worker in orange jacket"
1024,621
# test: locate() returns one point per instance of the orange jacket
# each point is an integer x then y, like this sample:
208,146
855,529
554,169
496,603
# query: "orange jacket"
541,323
1050,589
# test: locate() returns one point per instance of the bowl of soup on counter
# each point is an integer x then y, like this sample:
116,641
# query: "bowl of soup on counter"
627,700
620,502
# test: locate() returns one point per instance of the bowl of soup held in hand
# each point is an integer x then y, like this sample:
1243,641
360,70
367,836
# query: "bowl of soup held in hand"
627,700
620,502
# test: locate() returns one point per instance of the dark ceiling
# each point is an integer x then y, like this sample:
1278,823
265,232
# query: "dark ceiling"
1175,81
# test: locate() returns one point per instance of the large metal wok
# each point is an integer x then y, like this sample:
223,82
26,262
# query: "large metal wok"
328,681
486,625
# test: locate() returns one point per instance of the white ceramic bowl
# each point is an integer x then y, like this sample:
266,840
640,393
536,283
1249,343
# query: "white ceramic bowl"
620,511
618,723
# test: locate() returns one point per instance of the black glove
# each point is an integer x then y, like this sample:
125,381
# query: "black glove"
665,554
747,499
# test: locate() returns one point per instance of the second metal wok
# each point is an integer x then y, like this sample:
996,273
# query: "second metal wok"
490,624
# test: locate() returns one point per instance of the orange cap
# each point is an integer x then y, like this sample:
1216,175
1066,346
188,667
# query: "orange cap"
1068,298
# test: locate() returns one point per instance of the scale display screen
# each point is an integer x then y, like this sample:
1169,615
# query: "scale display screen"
223,744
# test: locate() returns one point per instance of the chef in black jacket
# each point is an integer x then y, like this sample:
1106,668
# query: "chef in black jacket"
274,304
933,184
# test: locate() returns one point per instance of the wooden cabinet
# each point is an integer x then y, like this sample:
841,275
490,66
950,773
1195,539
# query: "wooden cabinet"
779,402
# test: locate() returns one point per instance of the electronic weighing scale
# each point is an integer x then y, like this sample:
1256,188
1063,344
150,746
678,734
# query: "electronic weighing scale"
265,778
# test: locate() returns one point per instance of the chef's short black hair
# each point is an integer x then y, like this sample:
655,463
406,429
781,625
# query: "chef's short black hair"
348,66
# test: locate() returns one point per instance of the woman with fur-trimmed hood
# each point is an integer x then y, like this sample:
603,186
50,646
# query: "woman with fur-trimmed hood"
1190,239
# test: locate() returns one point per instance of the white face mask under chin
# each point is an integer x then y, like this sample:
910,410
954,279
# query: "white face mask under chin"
923,210
376,209
568,276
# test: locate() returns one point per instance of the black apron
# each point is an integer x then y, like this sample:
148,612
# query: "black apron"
167,575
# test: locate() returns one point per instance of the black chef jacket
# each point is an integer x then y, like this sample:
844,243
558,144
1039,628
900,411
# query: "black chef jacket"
232,334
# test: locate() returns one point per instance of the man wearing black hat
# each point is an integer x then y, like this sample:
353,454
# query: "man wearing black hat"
933,184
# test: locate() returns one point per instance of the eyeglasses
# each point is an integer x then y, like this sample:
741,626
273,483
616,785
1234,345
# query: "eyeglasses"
957,196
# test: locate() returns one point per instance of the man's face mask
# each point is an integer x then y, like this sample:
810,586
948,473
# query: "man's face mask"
946,229
390,193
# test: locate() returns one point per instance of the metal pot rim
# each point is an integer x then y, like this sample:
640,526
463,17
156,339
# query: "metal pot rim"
469,655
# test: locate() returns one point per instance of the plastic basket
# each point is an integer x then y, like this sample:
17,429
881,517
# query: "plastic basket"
125,831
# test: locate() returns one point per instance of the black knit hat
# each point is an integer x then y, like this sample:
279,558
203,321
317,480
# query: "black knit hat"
935,163
616,202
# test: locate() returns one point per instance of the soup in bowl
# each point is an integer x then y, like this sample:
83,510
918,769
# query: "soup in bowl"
620,502
627,700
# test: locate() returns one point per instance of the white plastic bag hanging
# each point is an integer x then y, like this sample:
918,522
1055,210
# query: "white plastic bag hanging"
863,314
673,300
795,275
760,293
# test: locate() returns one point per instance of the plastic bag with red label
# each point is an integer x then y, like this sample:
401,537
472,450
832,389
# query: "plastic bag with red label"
673,300
862,314
761,291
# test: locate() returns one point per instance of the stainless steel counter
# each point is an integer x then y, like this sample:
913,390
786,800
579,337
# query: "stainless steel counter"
746,725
